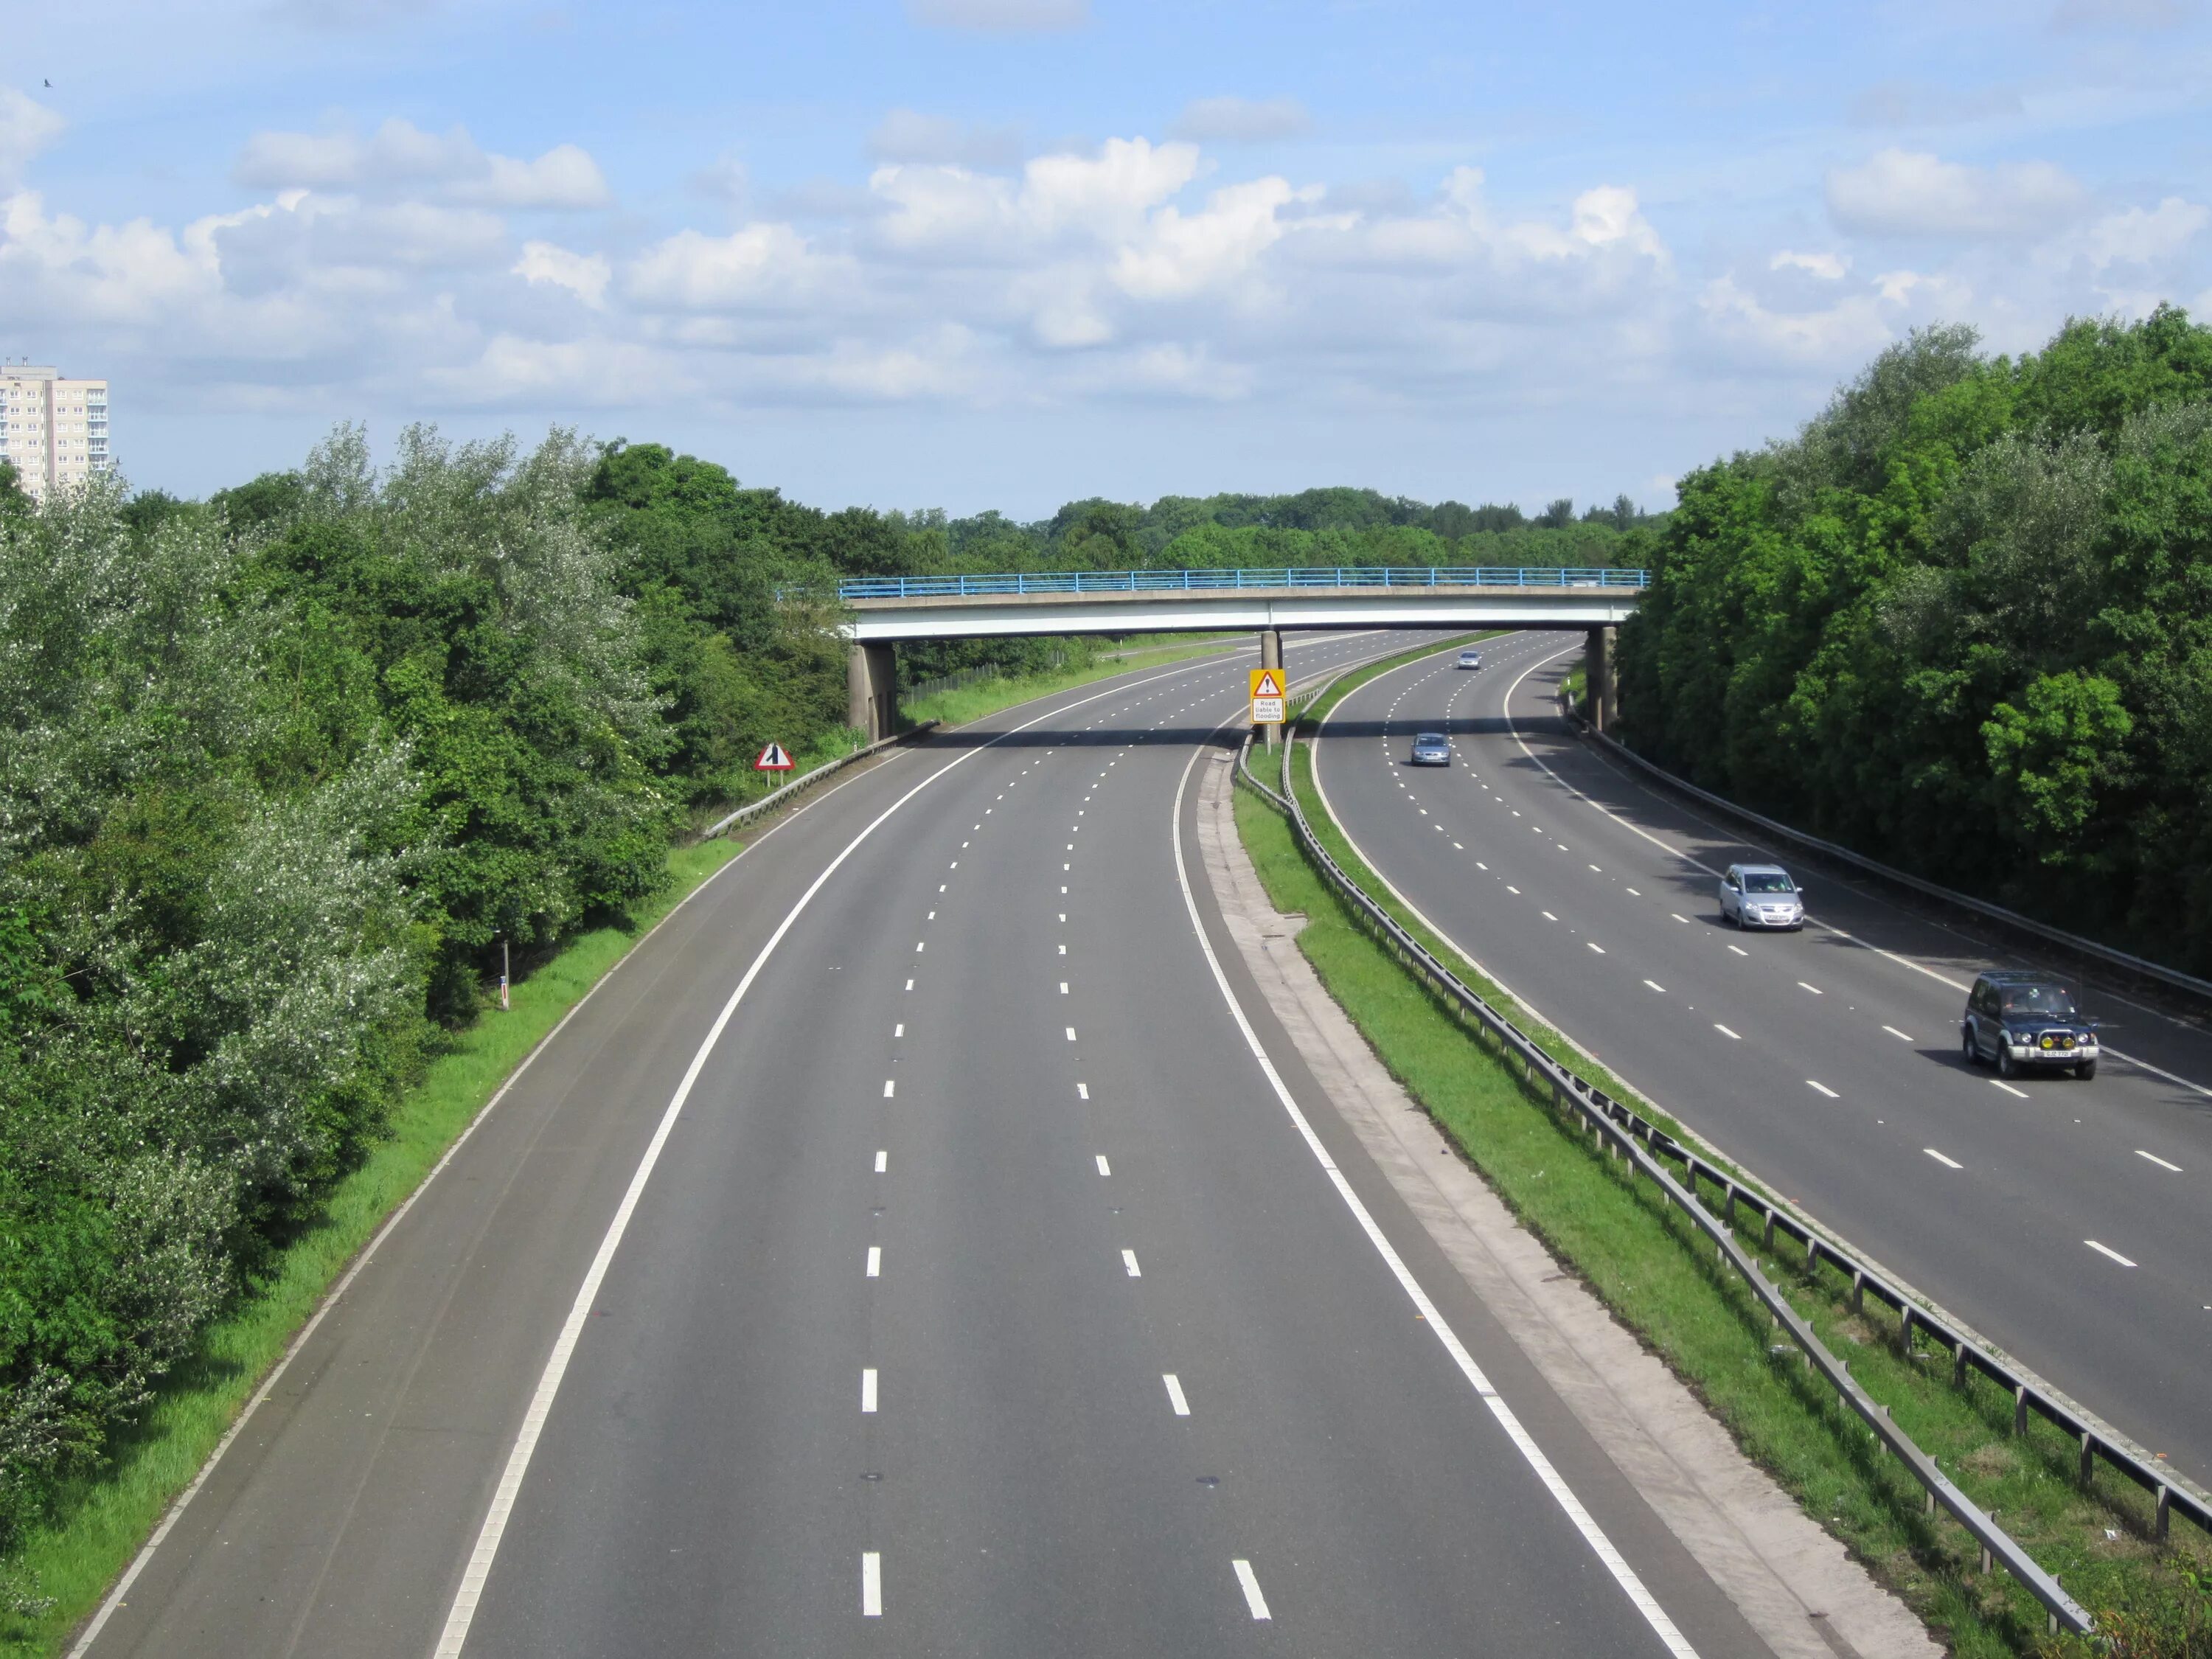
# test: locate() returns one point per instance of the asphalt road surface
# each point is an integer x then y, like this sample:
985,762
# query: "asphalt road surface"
2068,1221
906,1253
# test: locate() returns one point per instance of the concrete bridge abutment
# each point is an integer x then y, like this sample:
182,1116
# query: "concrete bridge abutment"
872,688
1597,673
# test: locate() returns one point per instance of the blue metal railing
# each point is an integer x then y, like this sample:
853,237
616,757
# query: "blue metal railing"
1166,582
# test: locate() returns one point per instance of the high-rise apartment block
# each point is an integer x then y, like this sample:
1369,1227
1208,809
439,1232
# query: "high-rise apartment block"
54,430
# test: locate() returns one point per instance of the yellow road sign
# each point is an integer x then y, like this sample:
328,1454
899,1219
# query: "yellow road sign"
1267,697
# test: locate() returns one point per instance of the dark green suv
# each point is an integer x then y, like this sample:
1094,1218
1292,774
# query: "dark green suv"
2028,1021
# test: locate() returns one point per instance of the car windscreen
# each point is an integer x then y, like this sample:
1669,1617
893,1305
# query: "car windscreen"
1429,740
2051,1001
1755,883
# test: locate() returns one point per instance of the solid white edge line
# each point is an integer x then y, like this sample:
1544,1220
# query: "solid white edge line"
2156,1159
117,1595
1249,1582
2106,1249
1584,1523
462,1611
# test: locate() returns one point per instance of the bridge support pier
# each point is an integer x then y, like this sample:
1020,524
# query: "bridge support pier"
1597,671
1271,656
872,688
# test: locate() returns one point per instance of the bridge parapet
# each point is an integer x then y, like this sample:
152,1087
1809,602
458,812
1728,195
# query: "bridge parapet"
1340,577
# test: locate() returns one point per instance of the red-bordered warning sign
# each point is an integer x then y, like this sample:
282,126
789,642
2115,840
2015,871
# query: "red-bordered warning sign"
1267,697
774,759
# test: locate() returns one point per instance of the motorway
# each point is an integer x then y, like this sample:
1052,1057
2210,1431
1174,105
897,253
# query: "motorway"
2068,1221
905,1252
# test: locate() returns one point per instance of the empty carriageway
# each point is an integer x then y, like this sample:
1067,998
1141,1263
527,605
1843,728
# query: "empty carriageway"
2066,1220
908,1253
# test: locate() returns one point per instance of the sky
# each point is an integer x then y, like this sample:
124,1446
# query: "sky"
1004,253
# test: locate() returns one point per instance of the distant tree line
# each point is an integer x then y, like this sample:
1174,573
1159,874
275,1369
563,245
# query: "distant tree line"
281,771
1963,623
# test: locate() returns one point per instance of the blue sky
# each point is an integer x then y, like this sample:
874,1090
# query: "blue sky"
975,253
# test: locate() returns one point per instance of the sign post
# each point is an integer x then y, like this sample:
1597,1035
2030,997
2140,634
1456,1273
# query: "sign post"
1268,700
774,759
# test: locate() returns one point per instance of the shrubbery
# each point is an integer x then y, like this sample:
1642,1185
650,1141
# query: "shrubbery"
1963,623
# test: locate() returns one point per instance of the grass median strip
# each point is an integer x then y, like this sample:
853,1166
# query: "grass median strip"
1657,1275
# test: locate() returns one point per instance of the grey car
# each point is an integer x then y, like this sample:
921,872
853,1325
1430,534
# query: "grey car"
1470,659
1431,749
1761,895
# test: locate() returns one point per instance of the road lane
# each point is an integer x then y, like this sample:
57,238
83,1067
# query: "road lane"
1825,1061
759,1446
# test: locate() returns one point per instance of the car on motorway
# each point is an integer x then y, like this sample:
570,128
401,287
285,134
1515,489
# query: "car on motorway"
1431,749
2026,1021
1761,895
1470,659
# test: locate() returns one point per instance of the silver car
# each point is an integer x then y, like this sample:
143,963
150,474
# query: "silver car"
1470,659
1431,749
1761,895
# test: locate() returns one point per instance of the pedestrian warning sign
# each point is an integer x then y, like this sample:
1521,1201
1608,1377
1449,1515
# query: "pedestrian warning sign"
774,759
1267,697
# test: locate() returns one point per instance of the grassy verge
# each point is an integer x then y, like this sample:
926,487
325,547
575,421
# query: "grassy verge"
99,1525
964,703
1653,1270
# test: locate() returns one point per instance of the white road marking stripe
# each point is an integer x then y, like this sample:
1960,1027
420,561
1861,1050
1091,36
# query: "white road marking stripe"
1678,915
871,1584
2008,1088
1548,916
868,1389
1947,1163
1175,1394
1603,1546
1632,892
1070,1034
1725,1032
1899,1035
1823,1088
1656,986
889,1085
1083,1091
2106,1249
1600,948
1479,865
1739,949
899,1030
2156,1159
883,1159
1104,1168
1815,989
1593,867
1129,1262
1511,888
875,1262
909,985
918,946
1063,988
1253,1598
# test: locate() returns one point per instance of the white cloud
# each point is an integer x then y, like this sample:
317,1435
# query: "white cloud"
399,157
584,275
758,266
1229,120
1001,16
2137,237
1900,192
26,127
905,135
1829,267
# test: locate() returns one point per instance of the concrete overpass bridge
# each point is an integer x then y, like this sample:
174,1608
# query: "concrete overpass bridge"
884,611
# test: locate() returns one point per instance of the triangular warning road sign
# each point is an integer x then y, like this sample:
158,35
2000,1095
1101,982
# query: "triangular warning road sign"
773,759
1267,682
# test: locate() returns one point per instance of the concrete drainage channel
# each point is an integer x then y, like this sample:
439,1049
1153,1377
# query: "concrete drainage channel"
1649,1151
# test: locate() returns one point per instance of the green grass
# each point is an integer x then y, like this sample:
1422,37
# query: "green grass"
1652,1268
965,704
100,1524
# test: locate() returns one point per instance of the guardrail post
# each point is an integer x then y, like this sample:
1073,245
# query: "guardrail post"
2088,1457
1904,1326
1767,1238
2165,1506
1959,1363
1858,1290
2019,1408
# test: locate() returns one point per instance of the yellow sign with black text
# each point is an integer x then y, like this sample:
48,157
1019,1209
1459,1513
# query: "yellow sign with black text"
1267,697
